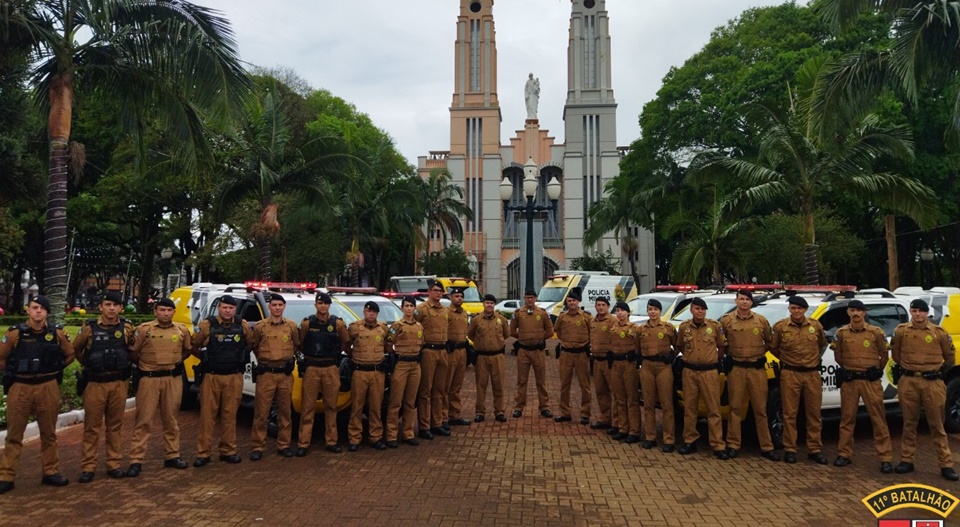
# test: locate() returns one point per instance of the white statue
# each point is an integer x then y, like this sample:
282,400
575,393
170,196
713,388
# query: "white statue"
531,95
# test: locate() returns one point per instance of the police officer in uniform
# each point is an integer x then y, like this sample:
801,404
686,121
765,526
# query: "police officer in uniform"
623,374
573,329
599,347
861,351
159,348
703,346
32,358
488,331
798,342
922,351
456,360
531,327
435,320
405,340
368,343
222,343
275,340
324,337
657,339
103,348
748,337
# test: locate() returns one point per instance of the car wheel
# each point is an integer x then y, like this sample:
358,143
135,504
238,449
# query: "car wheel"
273,421
775,416
952,419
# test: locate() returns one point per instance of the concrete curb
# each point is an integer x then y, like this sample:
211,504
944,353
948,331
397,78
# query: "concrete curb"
63,420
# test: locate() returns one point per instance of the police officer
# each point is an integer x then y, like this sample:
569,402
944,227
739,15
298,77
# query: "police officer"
456,360
32,357
222,343
922,351
488,331
159,348
435,320
657,339
405,341
748,337
323,337
861,351
103,347
702,347
623,375
798,342
599,347
368,343
573,329
275,340
531,327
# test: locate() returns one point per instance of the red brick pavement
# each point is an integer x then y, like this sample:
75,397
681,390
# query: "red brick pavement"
529,471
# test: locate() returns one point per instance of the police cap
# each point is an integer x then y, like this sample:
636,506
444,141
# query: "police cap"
603,300
408,300
165,302
697,301
277,298
43,302
653,302
372,306
575,294
489,298
919,305
228,300
324,298
856,304
798,301
622,306
456,290
530,292
745,292
112,296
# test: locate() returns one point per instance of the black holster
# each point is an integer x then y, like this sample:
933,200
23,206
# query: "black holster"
841,376
81,381
726,364
609,360
135,382
198,373
516,347
897,372
874,373
556,350
471,354
288,369
6,380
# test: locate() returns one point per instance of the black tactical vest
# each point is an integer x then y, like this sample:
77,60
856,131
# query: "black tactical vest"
107,352
226,349
322,340
36,354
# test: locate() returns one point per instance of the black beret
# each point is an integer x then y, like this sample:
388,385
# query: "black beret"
456,290
798,301
575,294
228,300
165,302
919,305
697,301
489,298
603,299
622,306
408,300
112,296
747,293
44,303
372,306
655,303
856,304
277,298
530,292
433,283
324,298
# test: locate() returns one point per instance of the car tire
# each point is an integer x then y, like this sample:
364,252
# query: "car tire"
952,413
273,422
775,416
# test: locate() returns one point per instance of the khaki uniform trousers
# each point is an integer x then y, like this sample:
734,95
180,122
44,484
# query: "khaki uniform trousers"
366,387
578,363
872,394
748,388
103,401
793,384
43,401
323,381
456,368
489,369
656,385
165,393
433,388
601,387
624,380
271,387
525,360
404,383
931,396
219,394
702,385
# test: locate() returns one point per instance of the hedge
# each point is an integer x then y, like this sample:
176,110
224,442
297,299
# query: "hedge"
69,399
74,320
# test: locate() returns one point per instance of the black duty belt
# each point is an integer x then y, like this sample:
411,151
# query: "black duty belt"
435,346
319,363
657,358
457,345
758,364
625,356
490,353
699,367
850,375
532,347
163,373
582,349
369,367
268,369
109,376
408,358
799,369
39,379
928,375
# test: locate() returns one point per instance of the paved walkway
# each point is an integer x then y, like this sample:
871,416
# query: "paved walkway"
529,471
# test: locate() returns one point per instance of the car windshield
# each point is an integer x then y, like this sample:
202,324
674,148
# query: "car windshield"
389,312
638,306
297,311
409,285
470,294
773,312
715,308
551,294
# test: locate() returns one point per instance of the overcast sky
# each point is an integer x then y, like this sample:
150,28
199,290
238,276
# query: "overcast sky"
394,59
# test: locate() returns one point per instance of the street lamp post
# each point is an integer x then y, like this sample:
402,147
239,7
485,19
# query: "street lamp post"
165,256
926,258
530,191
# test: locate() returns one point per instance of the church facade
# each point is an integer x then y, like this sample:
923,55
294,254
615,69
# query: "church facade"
479,161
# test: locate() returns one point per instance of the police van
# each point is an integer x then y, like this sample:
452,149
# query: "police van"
592,285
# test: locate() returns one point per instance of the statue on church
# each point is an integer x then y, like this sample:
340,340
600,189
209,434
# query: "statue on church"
531,94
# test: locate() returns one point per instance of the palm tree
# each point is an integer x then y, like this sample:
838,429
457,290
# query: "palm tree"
619,211
443,205
166,59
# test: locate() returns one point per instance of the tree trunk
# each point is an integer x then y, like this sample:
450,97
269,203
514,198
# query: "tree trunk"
264,269
55,232
893,268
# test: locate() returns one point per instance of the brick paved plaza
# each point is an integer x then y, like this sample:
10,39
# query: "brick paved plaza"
530,471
